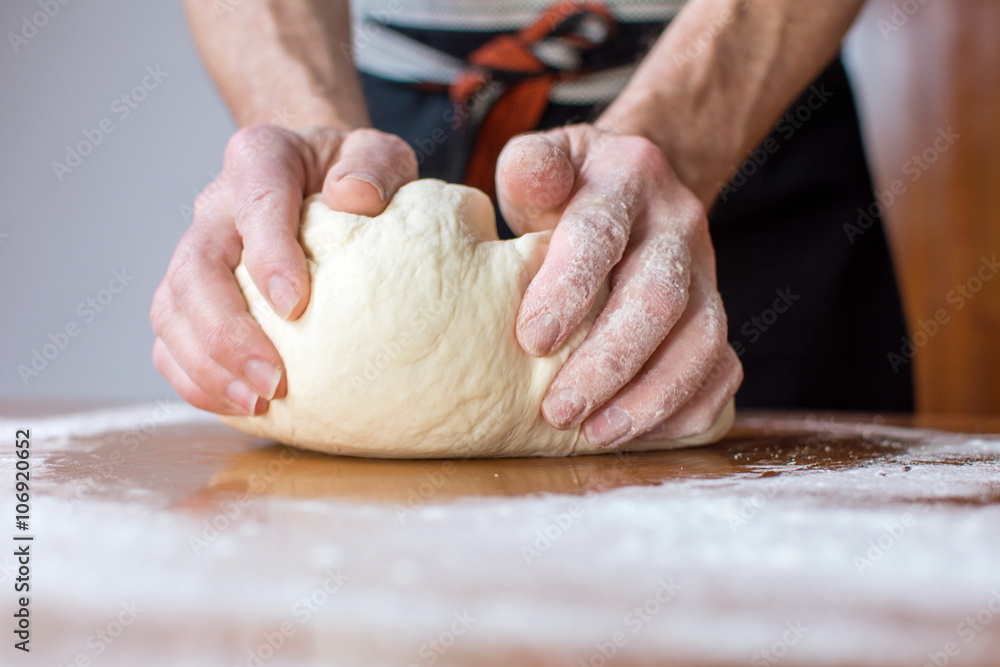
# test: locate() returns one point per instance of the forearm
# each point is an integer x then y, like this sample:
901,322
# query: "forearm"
281,58
720,76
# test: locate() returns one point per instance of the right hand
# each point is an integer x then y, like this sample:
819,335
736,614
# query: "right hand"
208,346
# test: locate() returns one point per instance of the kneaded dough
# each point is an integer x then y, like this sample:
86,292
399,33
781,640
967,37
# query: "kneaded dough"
407,347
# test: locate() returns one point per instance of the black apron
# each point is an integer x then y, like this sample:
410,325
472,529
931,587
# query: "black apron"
813,307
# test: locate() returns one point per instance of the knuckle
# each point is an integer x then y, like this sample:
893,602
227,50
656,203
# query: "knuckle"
280,252
247,141
666,286
726,371
368,134
646,155
666,301
255,201
202,203
159,356
385,139
606,231
613,369
735,375
397,144
715,326
227,339
692,211
160,311
183,270
398,156
205,201
407,166
669,397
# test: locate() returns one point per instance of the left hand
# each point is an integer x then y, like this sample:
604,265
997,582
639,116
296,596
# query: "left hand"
657,363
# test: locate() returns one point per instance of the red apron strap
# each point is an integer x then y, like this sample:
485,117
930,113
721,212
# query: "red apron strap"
510,59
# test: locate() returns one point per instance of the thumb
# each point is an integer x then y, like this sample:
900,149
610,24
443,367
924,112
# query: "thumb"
534,180
370,166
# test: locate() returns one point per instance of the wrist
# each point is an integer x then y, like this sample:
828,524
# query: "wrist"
699,149
312,112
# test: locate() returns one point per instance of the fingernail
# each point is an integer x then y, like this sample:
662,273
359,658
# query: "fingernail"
608,426
540,334
564,407
263,377
370,180
283,296
243,396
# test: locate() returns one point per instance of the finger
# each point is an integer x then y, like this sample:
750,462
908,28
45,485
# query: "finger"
204,291
589,240
700,413
184,349
669,379
534,180
649,293
369,167
268,206
234,403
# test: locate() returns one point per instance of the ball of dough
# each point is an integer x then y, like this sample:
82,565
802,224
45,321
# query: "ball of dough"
407,347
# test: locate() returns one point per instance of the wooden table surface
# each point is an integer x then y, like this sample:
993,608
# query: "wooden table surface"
163,537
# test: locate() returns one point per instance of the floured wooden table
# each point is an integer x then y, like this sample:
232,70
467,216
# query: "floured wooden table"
162,537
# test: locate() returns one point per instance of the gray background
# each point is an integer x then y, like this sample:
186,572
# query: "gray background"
122,207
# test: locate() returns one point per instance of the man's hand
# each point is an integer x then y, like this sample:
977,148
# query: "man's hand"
657,362
208,346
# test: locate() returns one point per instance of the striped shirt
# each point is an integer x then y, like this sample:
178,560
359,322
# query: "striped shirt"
383,45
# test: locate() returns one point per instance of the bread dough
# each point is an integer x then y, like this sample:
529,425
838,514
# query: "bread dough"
407,348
